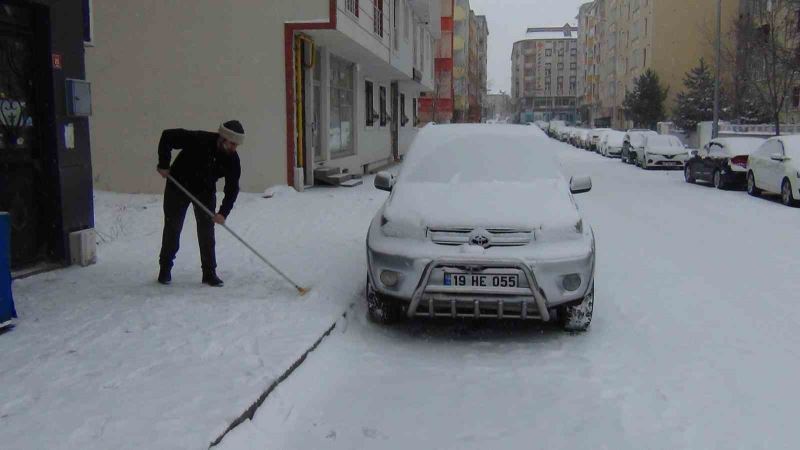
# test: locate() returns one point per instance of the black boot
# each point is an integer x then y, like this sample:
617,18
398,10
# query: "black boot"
165,275
210,278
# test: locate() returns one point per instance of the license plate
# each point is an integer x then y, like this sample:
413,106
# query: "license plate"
483,281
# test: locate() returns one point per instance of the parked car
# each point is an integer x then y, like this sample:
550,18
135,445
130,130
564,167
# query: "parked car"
481,223
662,150
611,143
775,168
722,161
595,136
582,138
555,127
633,143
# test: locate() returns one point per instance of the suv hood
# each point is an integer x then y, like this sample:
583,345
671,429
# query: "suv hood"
540,204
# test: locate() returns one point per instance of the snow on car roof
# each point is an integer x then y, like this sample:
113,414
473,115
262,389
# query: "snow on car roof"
479,153
740,145
663,141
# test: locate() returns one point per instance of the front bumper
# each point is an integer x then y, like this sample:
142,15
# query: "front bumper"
654,160
422,292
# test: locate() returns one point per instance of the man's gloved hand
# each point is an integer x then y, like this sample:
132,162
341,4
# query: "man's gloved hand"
219,219
163,172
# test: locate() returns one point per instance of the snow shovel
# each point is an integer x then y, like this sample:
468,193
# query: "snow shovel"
301,290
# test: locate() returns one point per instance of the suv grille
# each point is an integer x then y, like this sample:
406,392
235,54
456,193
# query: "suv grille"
498,237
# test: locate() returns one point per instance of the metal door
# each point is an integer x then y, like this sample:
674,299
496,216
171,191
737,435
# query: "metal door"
20,144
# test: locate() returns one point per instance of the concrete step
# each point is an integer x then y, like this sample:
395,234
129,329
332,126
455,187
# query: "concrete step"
339,178
326,171
352,183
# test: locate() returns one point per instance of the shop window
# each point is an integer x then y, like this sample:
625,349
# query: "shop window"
369,103
340,134
383,107
88,32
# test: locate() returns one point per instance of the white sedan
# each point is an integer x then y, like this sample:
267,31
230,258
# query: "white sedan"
481,223
775,168
662,150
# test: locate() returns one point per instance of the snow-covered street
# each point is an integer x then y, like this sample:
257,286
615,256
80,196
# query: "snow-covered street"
693,345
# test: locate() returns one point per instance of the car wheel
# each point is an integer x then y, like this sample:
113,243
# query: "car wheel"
786,194
688,175
578,317
751,185
379,309
719,183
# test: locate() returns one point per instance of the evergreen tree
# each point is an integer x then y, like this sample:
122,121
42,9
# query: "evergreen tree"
645,104
696,103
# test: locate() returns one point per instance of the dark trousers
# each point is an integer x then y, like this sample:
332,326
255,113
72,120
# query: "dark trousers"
175,205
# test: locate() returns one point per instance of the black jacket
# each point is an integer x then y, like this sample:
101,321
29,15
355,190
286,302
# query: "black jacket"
200,164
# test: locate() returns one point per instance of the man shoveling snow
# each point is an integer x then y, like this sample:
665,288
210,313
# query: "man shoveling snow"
205,158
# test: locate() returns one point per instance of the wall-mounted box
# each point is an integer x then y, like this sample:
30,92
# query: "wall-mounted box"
79,98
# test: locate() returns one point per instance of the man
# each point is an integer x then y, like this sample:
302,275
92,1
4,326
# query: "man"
205,157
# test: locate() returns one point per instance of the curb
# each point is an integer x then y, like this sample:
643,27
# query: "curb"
250,412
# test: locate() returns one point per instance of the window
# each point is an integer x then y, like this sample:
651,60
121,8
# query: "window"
88,32
573,66
548,52
573,51
369,105
407,22
403,117
351,6
340,134
383,111
560,67
377,18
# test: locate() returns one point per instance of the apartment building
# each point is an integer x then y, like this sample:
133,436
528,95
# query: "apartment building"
544,74
481,67
317,83
626,37
460,63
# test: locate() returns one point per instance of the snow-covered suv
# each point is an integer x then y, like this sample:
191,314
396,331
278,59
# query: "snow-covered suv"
481,222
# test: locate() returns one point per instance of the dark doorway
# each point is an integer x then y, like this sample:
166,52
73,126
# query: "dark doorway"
21,143
395,126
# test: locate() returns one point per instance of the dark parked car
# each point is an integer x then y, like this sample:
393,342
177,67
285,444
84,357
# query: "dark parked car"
722,162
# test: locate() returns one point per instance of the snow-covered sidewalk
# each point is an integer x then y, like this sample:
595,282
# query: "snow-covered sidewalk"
104,357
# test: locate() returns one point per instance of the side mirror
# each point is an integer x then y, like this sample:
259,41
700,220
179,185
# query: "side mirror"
777,157
579,185
384,181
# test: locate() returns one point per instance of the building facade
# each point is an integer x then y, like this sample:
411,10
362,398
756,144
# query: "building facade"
544,74
316,83
482,67
45,104
624,38
460,66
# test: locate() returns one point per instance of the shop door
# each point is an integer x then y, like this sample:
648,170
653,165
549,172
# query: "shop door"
20,145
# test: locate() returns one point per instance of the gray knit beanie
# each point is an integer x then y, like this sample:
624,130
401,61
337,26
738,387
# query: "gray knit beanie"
232,131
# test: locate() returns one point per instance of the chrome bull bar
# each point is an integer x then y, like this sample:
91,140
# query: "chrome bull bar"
500,299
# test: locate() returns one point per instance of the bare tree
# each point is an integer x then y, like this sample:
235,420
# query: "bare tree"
770,35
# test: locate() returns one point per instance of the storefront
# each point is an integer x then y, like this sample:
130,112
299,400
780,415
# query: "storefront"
45,165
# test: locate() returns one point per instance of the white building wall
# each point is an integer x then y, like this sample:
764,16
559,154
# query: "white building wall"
157,65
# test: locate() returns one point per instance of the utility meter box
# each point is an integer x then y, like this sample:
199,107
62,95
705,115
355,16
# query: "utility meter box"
83,247
79,98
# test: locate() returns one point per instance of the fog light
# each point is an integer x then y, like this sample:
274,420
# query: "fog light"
389,278
572,282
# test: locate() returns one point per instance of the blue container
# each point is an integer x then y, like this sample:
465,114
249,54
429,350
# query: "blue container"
7,311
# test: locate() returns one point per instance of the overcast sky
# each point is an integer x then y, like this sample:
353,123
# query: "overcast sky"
508,20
